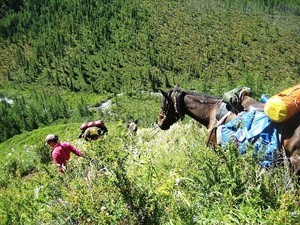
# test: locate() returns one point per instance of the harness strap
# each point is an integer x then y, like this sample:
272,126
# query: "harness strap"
177,97
221,121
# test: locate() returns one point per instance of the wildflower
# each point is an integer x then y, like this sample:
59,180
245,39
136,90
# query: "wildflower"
195,218
37,190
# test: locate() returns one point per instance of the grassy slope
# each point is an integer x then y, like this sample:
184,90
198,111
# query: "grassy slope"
129,107
169,172
194,35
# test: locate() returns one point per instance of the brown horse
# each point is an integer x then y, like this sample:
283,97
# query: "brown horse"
211,111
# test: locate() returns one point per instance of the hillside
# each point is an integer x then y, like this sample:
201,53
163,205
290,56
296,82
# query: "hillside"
145,45
156,177
61,60
85,52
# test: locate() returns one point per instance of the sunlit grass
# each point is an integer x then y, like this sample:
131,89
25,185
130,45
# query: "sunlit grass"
167,176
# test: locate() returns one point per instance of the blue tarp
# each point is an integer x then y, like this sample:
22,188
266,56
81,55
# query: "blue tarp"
253,129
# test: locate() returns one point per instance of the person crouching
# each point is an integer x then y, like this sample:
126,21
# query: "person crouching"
92,133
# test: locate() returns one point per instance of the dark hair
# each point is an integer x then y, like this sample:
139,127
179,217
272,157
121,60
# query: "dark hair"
53,139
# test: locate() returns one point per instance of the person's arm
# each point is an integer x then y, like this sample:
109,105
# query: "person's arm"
75,150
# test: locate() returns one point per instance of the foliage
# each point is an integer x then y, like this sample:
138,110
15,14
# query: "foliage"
7,6
146,45
61,60
57,57
156,177
42,109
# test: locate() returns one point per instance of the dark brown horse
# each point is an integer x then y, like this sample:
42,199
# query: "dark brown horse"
211,111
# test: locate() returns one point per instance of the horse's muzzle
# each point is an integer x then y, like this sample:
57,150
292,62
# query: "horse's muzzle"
160,122
162,125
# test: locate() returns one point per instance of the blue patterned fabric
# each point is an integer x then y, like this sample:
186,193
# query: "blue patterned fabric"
253,129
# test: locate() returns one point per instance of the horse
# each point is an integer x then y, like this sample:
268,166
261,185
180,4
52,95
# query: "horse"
211,111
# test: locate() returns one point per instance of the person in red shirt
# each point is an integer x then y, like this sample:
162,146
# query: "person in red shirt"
61,151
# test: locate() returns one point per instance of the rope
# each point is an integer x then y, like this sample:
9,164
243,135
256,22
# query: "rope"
153,134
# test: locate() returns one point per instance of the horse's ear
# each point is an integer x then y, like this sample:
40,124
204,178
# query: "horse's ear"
163,93
176,88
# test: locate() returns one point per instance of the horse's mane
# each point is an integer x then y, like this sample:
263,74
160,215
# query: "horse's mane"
200,97
203,95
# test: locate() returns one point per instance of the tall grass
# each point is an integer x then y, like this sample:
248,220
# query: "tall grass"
156,177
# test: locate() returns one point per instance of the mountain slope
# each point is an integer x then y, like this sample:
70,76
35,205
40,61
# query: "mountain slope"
147,45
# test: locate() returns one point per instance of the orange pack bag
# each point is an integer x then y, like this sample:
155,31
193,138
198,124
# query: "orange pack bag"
284,105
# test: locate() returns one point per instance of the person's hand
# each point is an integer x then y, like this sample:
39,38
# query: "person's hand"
61,168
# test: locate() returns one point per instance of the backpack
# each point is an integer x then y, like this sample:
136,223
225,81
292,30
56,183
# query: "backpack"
98,123
233,97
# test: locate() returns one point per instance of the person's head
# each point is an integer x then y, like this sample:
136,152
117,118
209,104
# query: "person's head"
51,139
135,121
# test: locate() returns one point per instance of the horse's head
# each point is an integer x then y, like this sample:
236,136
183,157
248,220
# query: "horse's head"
170,113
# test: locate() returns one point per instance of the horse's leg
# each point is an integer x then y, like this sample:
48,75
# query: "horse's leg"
212,138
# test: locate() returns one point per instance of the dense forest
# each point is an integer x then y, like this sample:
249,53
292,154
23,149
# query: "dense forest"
110,47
